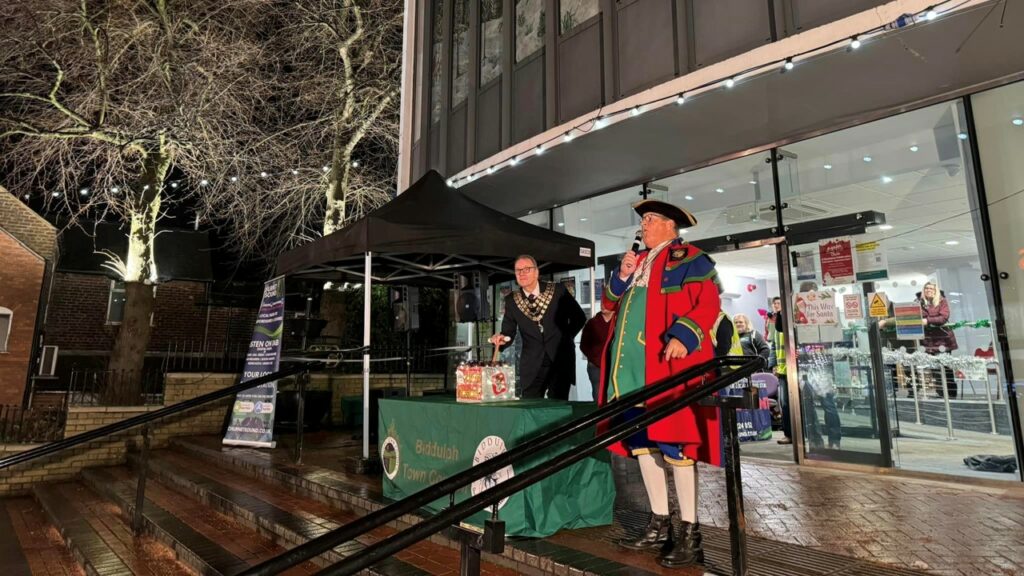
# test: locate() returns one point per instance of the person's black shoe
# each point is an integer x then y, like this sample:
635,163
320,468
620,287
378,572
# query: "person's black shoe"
657,534
688,549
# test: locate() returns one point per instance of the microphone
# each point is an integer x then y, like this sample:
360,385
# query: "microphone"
636,241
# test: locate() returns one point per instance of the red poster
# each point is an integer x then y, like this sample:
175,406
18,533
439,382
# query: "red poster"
836,256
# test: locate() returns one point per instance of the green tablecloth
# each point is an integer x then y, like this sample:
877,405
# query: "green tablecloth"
423,440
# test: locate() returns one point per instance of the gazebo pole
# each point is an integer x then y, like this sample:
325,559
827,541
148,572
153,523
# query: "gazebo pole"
367,300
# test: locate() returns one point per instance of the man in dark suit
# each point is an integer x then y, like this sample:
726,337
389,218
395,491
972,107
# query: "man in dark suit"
548,319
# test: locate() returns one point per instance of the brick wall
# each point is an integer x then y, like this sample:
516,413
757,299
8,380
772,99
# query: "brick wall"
112,450
27,226
77,319
21,279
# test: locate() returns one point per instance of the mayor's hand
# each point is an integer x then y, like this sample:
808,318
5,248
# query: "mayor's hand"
628,265
499,339
675,350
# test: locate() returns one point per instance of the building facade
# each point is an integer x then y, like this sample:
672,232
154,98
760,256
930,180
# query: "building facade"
831,151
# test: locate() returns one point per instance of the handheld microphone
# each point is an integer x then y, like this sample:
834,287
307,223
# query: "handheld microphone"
636,241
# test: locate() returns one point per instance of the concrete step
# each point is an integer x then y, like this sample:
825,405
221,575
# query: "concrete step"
99,537
30,544
210,543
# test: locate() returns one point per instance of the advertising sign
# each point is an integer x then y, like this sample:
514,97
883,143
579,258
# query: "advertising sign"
837,265
909,324
872,263
815,309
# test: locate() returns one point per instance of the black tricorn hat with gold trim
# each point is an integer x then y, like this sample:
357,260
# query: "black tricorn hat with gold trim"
680,216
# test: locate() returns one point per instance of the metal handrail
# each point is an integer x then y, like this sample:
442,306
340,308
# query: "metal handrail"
743,366
143,419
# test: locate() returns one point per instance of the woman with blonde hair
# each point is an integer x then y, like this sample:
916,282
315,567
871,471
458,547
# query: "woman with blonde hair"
938,338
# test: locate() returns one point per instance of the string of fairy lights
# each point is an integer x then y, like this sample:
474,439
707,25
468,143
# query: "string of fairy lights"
780,65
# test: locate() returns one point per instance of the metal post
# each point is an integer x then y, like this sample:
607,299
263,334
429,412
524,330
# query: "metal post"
988,399
917,393
301,419
469,559
734,494
366,355
949,412
140,489
408,353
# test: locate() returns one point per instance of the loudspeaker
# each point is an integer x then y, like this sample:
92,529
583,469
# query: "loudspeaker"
471,297
405,308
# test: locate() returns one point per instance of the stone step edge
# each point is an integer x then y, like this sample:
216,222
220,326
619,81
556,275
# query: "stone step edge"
512,557
83,559
97,480
165,474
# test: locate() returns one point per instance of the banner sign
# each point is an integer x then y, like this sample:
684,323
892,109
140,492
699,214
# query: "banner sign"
872,263
837,266
909,324
252,416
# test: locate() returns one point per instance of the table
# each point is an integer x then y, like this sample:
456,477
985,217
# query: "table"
424,440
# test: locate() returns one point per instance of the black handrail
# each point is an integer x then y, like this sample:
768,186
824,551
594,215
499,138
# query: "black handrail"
744,366
379,551
142,419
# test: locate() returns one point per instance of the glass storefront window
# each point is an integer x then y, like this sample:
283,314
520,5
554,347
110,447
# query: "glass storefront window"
437,38
460,52
490,40
572,13
914,170
999,122
530,28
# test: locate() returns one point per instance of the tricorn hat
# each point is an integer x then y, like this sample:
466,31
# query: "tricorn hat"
680,216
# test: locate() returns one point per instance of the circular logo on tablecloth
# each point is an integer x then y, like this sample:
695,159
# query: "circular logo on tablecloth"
389,457
488,448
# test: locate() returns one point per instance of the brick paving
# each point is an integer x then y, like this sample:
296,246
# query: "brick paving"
31,544
947,528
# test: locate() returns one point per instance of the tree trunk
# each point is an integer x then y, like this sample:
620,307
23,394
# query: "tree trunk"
129,354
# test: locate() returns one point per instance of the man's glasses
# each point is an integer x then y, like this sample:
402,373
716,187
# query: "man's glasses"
651,216
527,270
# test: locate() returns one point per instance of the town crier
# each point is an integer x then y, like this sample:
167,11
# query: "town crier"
666,300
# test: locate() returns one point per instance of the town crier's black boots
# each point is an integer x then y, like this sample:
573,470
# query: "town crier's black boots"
688,548
658,534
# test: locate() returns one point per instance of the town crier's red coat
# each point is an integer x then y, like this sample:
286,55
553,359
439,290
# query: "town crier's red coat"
682,300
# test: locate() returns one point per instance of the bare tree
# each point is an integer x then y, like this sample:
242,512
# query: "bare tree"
337,70
101,99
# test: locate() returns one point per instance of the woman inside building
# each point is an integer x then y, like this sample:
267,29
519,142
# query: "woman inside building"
751,340
938,338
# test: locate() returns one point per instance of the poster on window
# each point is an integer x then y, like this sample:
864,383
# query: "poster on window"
252,415
815,309
872,263
909,322
804,261
837,265
852,307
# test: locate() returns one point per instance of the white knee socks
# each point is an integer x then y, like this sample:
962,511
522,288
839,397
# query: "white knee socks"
685,478
652,468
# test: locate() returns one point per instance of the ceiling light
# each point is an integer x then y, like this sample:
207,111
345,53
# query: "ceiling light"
688,197
788,65
1018,121
827,166
681,99
730,83
754,182
884,227
867,158
583,219
561,224
855,43
682,230
720,190
952,242
962,135
914,148
886,179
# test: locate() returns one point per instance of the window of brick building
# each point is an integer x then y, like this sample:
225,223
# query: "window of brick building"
115,302
6,316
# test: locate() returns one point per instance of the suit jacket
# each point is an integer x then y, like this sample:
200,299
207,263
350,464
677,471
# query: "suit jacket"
562,321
